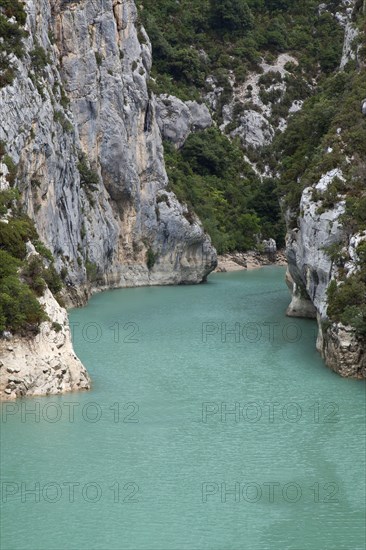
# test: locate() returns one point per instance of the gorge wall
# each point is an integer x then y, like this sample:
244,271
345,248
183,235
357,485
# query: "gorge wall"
324,244
91,105
80,124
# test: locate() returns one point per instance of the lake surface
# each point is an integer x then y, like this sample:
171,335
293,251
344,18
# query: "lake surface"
212,424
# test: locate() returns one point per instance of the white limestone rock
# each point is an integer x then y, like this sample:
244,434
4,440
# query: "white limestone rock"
45,364
310,271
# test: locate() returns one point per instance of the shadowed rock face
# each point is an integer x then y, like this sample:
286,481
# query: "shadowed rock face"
92,99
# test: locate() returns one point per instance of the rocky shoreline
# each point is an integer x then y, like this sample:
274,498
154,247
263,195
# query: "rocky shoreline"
45,364
237,261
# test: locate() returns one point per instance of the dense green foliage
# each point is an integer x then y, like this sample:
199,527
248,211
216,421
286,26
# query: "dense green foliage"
303,149
231,15
195,38
347,301
210,175
11,34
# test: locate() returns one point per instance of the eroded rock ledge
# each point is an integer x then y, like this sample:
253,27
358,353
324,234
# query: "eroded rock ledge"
310,271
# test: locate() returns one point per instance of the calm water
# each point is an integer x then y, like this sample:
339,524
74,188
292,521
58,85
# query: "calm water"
151,458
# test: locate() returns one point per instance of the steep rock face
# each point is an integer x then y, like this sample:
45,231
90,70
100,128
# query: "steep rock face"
309,265
91,105
82,128
310,270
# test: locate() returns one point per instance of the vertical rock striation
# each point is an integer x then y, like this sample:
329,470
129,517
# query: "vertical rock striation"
81,125
91,104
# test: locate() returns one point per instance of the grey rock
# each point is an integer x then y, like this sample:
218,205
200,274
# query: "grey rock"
111,118
310,271
178,119
363,107
343,352
100,66
254,129
270,248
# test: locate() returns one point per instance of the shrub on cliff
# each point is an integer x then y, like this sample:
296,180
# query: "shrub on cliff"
20,310
22,279
347,301
12,35
19,307
15,234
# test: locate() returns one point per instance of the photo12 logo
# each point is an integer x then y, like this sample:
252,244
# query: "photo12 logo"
71,411
70,491
270,492
270,412
118,332
251,332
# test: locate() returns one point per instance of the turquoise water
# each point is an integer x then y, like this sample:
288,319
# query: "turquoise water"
156,458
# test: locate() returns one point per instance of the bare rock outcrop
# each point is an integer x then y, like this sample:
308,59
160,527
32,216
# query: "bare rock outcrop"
45,364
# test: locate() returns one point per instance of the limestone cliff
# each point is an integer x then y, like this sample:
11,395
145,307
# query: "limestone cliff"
318,230
310,271
90,108
80,124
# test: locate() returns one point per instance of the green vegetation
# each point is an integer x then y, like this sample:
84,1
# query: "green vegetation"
150,258
60,117
11,37
347,295
56,327
7,199
39,58
12,168
195,38
210,176
347,301
91,271
313,145
231,15
89,178
21,280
